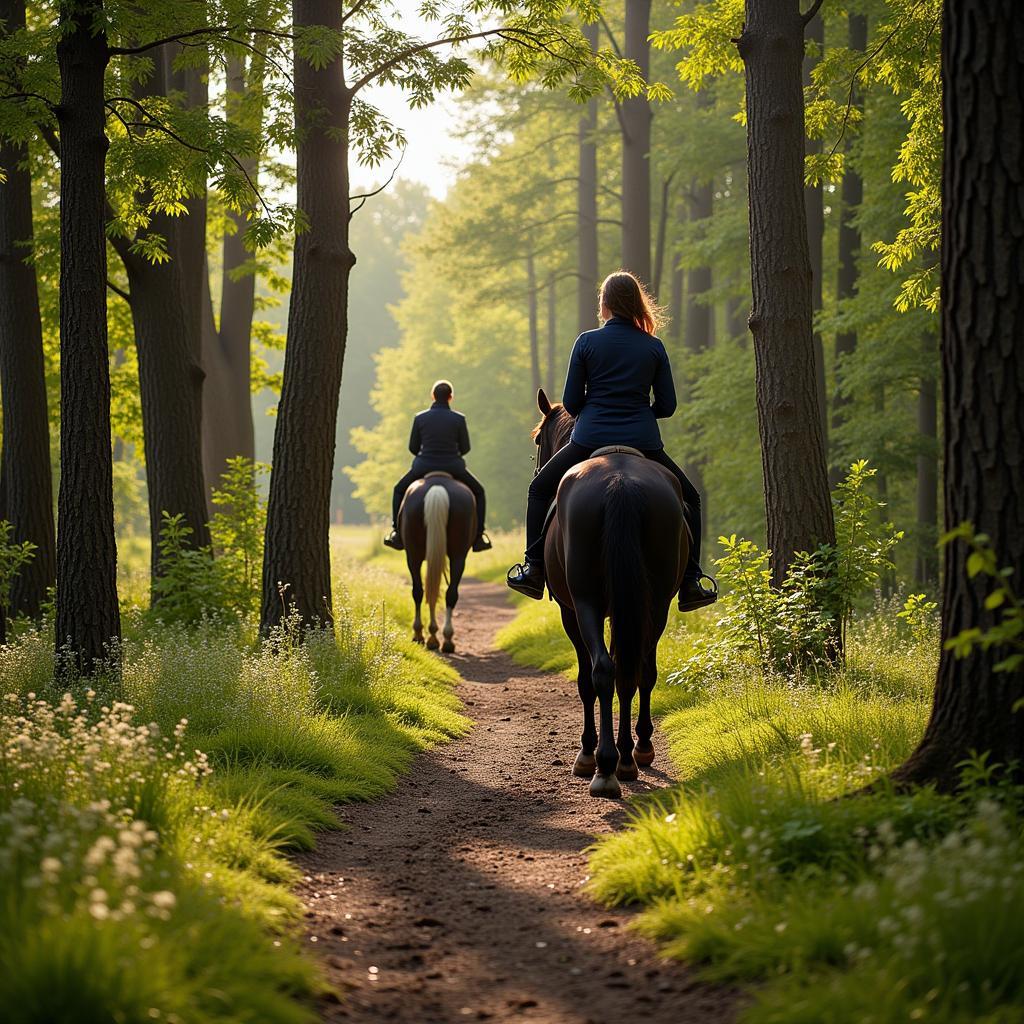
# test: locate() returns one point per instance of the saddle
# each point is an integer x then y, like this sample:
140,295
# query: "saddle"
437,472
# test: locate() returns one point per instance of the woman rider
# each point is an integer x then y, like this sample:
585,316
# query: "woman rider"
438,441
612,372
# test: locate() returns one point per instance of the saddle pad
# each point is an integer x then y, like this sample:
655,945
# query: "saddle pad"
438,472
616,449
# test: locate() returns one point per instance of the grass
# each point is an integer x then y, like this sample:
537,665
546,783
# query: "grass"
772,862
145,825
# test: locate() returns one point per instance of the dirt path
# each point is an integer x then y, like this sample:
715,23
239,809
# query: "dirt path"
458,897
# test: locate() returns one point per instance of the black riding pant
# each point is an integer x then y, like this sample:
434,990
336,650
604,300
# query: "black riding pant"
545,485
421,467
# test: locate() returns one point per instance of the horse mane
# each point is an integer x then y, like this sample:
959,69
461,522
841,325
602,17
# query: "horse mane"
558,412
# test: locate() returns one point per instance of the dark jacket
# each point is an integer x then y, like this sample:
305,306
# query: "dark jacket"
612,372
439,435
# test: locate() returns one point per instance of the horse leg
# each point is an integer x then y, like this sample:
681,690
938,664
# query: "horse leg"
626,769
416,571
585,763
644,752
432,641
591,626
457,566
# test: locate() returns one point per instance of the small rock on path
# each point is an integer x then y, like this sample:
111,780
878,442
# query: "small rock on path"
458,897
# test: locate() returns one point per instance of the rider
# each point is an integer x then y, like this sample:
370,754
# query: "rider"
439,440
612,372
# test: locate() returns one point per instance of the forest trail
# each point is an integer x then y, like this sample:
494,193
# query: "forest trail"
458,897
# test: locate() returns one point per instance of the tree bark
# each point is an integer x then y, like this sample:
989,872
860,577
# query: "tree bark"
228,429
533,322
659,245
814,31
797,503
297,550
26,484
588,272
982,380
852,195
700,322
88,618
926,567
166,304
636,149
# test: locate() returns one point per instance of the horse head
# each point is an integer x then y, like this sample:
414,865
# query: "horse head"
553,431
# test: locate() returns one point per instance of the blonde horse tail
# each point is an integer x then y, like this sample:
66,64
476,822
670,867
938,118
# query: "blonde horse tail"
435,518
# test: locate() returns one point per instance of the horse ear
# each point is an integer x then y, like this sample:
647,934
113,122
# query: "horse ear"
543,403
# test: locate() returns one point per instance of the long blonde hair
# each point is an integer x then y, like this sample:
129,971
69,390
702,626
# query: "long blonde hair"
623,295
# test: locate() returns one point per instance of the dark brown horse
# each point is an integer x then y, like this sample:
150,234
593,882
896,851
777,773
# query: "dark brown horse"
616,549
437,521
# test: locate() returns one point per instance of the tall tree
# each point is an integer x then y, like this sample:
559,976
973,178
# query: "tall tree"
797,503
982,293
26,484
88,618
814,33
166,305
635,116
851,197
586,210
533,320
552,327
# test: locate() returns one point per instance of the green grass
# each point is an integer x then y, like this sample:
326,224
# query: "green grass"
145,825
772,862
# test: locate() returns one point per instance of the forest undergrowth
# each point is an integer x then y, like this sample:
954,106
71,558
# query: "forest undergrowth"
145,819
783,857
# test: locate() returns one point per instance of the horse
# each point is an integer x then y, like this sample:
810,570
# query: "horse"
615,549
437,521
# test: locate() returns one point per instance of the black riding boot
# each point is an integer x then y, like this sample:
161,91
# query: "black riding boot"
527,578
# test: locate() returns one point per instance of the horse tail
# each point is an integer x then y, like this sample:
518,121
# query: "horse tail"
627,588
435,519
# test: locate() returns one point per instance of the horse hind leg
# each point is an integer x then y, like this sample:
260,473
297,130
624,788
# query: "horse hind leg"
644,752
585,764
451,599
591,624
432,642
626,769
415,570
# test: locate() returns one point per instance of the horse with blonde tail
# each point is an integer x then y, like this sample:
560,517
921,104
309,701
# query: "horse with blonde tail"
437,524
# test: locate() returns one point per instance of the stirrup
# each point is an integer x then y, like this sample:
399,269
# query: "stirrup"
706,597
482,542
394,541
521,580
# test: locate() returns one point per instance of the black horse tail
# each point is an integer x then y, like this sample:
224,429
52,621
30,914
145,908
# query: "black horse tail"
627,588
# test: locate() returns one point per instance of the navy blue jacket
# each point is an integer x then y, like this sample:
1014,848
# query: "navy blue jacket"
439,435
612,372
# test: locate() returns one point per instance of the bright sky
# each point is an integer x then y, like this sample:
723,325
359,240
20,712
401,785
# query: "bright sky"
433,153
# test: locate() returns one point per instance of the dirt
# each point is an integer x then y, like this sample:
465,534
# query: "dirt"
461,896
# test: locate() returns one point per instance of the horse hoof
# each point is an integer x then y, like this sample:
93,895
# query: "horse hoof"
432,644
584,766
644,758
606,786
417,639
447,647
627,772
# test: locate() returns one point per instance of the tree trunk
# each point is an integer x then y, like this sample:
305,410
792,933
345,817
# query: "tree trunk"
797,504
26,484
814,31
228,429
588,271
675,306
297,553
636,149
659,245
852,196
88,618
926,568
736,314
700,320
552,332
982,381
166,304
533,321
